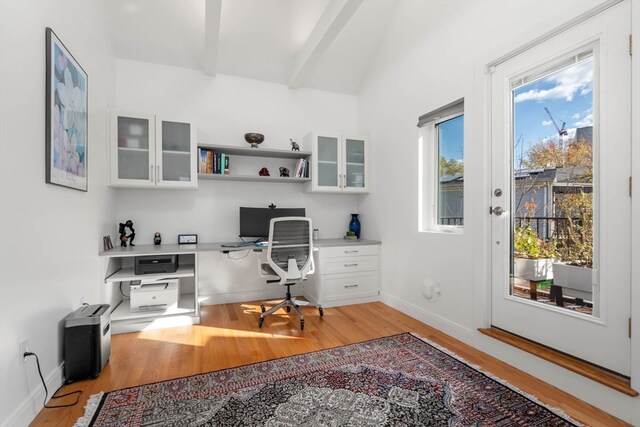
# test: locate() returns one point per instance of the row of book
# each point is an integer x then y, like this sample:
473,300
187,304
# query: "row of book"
302,169
210,161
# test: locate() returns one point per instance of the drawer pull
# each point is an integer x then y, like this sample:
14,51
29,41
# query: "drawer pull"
351,265
350,252
350,286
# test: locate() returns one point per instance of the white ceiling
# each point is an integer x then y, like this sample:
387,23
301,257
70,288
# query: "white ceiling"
319,44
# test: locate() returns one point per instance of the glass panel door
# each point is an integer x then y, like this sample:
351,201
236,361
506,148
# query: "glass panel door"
176,152
327,169
133,148
355,163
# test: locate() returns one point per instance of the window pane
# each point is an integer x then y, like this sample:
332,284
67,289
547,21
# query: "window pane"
553,187
450,206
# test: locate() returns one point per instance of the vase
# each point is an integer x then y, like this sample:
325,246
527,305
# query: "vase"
354,225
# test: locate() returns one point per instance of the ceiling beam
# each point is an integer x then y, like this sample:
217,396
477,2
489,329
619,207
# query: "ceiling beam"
212,10
334,18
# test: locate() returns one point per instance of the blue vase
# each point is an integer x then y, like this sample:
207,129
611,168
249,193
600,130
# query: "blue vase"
354,225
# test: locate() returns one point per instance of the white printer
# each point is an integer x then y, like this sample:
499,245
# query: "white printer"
154,295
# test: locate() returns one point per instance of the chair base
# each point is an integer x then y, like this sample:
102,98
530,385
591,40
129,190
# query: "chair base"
290,303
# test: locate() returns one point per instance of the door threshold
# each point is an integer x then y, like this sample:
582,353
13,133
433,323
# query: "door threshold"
593,372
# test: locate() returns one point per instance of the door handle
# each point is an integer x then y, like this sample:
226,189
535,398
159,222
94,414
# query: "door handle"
151,173
158,174
497,211
351,265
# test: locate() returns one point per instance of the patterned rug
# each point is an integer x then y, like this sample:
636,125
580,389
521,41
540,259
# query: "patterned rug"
401,380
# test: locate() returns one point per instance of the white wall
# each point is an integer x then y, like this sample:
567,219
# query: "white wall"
50,235
432,55
224,108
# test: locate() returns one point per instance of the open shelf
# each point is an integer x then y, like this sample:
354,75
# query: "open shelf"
256,152
127,274
221,177
186,306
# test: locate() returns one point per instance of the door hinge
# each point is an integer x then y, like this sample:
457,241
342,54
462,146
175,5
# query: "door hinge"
630,186
630,45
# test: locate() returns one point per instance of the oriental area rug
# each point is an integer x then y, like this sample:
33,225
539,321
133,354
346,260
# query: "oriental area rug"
402,380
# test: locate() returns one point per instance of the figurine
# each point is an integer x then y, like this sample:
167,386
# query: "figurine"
284,172
294,145
264,172
157,238
123,233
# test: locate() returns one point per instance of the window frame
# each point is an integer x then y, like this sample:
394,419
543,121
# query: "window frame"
428,170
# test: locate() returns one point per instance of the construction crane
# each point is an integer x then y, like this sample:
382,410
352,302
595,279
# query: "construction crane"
561,131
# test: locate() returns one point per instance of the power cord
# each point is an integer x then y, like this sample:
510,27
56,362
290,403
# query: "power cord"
46,392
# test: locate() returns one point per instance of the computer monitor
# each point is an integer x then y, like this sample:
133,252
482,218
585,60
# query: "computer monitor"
254,222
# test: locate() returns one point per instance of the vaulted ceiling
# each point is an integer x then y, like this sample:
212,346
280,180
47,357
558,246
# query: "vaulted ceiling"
319,44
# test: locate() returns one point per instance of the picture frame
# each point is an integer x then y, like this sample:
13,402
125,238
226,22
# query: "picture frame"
66,117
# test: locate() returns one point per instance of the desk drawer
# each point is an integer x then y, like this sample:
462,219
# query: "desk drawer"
349,251
349,264
350,285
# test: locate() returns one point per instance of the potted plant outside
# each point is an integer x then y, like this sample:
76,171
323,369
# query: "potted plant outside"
574,270
533,257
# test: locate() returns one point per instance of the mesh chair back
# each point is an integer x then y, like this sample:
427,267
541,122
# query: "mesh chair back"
290,237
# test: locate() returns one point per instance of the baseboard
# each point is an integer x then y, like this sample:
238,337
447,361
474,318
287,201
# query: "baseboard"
451,328
244,296
29,408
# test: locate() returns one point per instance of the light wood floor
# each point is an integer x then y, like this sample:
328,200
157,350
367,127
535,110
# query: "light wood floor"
229,336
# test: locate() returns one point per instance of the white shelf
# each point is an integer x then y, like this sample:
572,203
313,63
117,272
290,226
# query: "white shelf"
127,274
327,162
132,149
183,153
256,152
186,306
220,177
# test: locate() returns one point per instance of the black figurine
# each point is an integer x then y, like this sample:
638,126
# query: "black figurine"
157,238
123,233
294,145
284,172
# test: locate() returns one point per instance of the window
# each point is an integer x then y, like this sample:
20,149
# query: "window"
441,189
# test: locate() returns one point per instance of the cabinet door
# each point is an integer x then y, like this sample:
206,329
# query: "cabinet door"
327,170
132,150
175,154
355,178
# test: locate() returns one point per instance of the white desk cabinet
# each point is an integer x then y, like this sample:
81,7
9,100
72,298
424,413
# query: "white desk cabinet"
348,274
340,163
150,151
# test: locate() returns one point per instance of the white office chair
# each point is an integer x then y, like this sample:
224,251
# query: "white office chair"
288,260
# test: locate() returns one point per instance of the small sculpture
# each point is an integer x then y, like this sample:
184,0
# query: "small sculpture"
254,139
284,172
157,238
294,145
264,172
123,233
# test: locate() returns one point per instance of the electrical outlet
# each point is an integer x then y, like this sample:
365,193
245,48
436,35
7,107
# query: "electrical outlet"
24,347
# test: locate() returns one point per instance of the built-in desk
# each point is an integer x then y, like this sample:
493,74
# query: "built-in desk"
347,272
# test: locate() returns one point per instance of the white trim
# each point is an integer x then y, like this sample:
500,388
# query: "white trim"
490,67
29,408
635,205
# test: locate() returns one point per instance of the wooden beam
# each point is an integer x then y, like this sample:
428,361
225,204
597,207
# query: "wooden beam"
334,18
212,10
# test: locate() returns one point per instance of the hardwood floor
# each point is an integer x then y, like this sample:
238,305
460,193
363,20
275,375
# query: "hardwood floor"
229,336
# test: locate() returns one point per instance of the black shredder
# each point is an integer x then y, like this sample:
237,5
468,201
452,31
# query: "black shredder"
87,341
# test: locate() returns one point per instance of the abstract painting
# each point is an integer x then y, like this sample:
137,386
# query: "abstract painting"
66,117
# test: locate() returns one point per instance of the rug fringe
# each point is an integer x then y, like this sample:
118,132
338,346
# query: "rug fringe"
89,410
505,383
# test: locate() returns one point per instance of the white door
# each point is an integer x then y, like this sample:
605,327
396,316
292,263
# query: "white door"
561,132
326,171
354,152
176,148
132,149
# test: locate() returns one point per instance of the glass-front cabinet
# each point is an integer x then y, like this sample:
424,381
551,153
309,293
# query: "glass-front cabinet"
340,163
148,151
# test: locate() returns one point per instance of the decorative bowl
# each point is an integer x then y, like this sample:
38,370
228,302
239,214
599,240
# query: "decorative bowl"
254,139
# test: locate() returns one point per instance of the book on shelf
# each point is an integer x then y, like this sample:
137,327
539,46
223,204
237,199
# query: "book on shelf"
222,162
202,160
209,167
226,165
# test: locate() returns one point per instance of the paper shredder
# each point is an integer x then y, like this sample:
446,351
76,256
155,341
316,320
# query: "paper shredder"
87,341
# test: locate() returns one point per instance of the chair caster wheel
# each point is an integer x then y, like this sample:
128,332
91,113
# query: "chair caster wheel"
302,325
262,308
321,311
260,322
288,309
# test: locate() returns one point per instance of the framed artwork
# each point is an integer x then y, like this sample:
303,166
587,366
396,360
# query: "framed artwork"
66,117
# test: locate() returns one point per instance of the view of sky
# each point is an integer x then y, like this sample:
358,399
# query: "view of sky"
451,139
567,93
